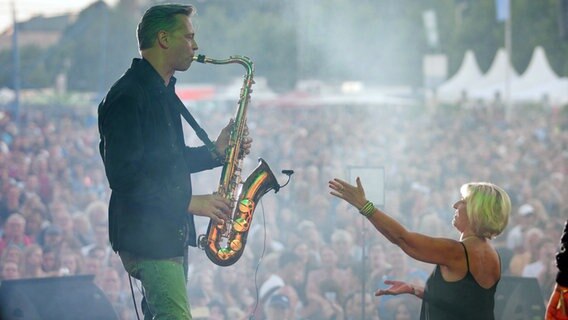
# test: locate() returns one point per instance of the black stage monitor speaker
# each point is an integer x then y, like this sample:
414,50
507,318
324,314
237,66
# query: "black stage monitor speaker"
518,299
61,298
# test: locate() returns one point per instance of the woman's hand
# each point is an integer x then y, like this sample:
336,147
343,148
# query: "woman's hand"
355,195
396,288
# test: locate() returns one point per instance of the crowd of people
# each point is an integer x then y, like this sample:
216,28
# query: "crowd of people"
309,255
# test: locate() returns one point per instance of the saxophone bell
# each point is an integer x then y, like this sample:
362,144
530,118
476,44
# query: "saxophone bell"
224,244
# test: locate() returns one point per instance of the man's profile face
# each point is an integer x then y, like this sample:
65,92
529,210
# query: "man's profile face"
182,45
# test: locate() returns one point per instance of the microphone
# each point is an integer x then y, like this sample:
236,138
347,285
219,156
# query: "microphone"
288,172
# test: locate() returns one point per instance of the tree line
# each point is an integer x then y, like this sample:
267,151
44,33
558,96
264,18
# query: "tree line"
376,41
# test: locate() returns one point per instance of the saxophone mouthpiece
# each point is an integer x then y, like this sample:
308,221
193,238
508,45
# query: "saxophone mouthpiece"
200,58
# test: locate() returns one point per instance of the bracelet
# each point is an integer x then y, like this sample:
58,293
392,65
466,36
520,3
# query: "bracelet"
368,209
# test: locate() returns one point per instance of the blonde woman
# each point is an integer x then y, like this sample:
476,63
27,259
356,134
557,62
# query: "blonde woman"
463,284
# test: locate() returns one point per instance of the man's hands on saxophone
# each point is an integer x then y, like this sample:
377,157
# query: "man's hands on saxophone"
224,138
213,206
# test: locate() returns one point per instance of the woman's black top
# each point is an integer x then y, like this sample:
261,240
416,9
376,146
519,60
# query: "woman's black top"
464,299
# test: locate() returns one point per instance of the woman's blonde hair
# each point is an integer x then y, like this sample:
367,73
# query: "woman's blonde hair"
488,208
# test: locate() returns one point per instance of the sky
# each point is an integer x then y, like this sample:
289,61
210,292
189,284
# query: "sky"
26,9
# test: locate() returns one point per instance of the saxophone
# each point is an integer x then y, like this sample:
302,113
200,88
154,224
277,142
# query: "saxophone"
224,243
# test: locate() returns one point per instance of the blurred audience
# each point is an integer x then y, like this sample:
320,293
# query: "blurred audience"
53,195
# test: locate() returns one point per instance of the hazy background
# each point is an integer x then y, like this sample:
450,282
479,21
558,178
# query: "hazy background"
377,42
68,57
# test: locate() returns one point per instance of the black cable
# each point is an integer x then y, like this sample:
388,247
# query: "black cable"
133,298
256,288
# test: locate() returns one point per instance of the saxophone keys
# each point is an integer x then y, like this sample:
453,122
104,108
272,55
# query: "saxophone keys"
224,253
240,225
236,245
246,205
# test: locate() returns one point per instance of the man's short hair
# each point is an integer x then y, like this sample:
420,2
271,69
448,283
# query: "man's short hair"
158,18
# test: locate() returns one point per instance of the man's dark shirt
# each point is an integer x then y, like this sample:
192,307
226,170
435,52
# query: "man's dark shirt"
148,165
562,259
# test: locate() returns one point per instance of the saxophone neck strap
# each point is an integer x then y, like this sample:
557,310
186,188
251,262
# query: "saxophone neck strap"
201,134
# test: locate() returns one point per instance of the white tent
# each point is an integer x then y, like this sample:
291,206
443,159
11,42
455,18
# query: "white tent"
458,85
539,82
554,92
494,83
538,71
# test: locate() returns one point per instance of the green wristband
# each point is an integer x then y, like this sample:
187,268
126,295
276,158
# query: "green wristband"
368,209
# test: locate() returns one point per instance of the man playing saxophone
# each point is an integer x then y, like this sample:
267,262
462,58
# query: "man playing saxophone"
148,165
